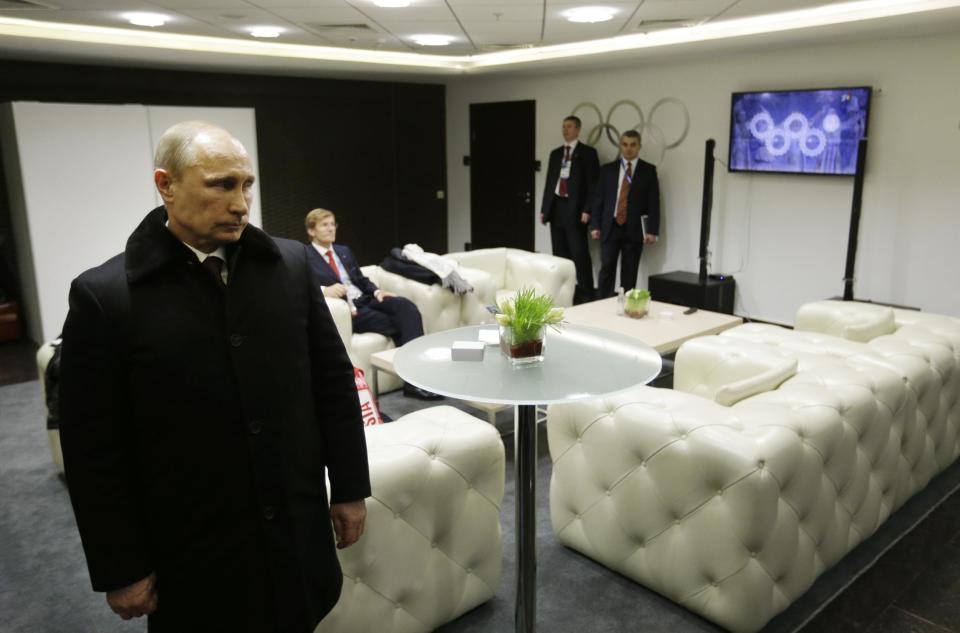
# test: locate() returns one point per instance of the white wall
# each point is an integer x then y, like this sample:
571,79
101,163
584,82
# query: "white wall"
783,237
81,181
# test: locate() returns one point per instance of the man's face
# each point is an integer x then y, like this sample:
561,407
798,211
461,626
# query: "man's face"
629,147
209,204
570,131
324,232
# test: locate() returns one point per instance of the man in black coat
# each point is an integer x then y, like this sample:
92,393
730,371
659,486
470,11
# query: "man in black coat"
204,392
372,309
626,214
571,175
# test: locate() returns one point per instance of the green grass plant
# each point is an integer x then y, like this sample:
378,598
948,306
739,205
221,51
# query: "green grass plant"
527,313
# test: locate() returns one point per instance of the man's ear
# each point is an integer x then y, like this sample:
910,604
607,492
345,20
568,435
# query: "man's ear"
164,182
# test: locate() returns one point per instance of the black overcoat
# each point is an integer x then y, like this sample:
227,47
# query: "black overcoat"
196,425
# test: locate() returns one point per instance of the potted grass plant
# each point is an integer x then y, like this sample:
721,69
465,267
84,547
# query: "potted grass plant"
636,302
523,322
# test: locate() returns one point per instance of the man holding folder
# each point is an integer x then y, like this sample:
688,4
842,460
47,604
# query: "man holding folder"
625,214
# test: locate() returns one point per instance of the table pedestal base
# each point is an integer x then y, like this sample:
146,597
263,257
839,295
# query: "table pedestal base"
525,460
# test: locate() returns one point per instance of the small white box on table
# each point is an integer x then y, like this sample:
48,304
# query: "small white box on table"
467,350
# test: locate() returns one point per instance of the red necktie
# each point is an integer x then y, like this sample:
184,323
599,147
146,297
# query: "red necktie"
563,181
621,216
333,264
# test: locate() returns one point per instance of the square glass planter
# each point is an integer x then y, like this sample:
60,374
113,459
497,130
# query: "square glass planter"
526,352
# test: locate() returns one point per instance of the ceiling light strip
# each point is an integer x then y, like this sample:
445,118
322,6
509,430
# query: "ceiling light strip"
755,25
806,18
86,34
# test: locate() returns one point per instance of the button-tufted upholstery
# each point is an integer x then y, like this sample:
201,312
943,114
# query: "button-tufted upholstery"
431,550
733,511
727,370
44,356
511,269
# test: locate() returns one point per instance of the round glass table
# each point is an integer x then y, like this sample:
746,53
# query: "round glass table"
579,363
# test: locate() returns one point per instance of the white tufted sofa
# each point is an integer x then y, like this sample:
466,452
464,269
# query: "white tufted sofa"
776,454
431,550
493,273
509,270
439,308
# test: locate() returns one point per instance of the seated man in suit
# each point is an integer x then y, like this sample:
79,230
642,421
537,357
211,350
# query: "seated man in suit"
373,310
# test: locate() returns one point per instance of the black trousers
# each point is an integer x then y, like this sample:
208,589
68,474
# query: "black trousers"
615,246
568,238
396,317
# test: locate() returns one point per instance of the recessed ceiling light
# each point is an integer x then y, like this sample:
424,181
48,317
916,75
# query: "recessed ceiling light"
146,19
590,14
432,40
266,31
392,4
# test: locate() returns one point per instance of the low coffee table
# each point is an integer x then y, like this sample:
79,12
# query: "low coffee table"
664,328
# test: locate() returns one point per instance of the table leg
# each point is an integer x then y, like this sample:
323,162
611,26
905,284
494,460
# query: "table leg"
525,456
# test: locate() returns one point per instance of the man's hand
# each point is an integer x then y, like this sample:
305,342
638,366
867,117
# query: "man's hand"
649,238
348,519
543,219
136,600
336,291
584,218
380,295
595,234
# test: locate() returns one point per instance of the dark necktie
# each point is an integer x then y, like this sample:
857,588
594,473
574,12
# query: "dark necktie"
214,266
621,216
563,181
333,264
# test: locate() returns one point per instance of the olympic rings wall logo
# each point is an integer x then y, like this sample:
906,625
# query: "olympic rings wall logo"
654,138
795,128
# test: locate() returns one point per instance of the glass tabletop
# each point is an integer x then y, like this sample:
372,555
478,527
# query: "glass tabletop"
579,363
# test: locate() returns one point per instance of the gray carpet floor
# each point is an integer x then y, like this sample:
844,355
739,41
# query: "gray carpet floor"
44,586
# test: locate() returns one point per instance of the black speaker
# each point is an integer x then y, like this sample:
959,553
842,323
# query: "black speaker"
717,293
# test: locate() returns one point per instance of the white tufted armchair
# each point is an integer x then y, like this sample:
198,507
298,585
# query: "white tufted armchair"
431,550
778,452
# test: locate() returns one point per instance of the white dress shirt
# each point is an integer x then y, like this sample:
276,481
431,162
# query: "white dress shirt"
573,146
353,293
220,252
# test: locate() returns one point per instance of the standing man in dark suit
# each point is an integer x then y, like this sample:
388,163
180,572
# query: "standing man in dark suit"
571,175
204,393
626,214
372,309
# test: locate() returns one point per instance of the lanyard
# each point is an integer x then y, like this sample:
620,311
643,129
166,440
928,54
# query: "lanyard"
625,165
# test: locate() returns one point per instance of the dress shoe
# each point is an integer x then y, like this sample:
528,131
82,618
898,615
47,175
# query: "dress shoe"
416,392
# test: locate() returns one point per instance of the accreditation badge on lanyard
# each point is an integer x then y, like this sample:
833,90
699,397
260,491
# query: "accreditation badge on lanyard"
565,168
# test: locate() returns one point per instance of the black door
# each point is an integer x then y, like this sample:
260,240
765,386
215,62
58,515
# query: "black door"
502,174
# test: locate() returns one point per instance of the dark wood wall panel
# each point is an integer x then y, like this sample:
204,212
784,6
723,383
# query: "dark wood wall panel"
372,152
421,168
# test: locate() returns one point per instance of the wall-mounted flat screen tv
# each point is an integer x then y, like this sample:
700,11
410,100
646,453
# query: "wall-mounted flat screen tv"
798,131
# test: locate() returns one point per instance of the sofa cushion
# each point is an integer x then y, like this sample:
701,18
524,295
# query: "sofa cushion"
847,319
727,370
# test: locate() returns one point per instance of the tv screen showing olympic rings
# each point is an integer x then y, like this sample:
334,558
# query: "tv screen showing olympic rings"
798,131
